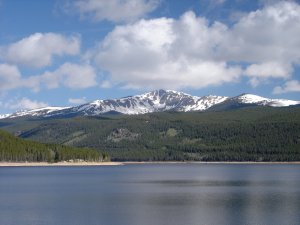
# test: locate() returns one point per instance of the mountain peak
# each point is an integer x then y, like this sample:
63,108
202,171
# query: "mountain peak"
155,101
37,112
250,98
256,99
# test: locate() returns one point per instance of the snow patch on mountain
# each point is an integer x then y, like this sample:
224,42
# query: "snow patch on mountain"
283,102
4,116
37,112
154,101
258,100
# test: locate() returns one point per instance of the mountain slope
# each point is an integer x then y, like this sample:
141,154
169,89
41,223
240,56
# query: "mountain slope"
37,112
13,149
248,134
4,116
246,100
155,101
258,100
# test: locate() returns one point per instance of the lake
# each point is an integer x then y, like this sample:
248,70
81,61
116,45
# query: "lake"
151,194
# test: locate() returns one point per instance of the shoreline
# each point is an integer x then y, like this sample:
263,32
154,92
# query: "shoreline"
44,164
202,162
40,164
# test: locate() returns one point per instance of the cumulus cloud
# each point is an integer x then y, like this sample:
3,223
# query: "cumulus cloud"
70,75
74,76
106,84
260,72
266,35
23,103
289,86
271,2
165,53
268,69
113,10
77,101
267,40
191,52
10,77
38,49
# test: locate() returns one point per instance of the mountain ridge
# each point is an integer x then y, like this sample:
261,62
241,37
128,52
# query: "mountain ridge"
155,101
246,134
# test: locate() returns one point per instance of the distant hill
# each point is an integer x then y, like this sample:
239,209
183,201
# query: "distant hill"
13,149
254,133
154,101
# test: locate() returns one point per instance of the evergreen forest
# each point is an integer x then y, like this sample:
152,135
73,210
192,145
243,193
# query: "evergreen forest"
248,134
13,149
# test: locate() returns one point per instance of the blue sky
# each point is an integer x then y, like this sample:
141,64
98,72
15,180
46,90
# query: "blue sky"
67,52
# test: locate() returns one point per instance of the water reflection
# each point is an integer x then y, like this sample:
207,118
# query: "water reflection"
151,195
211,183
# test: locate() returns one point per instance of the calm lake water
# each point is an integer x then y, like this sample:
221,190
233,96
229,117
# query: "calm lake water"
156,194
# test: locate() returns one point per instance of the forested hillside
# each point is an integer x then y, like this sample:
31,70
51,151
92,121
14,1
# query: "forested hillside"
16,149
252,134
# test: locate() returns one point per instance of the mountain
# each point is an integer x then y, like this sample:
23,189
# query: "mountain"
246,134
4,116
14,149
156,101
246,100
36,112
255,99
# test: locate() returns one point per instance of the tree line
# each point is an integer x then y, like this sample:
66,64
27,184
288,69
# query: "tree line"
13,149
253,134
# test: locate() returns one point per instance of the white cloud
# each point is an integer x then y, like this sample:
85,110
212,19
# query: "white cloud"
260,72
267,40
23,103
191,52
271,2
38,49
165,53
70,75
10,77
269,69
106,84
74,76
77,101
113,10
289,86
266,35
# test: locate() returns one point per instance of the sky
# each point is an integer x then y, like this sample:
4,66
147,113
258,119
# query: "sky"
69,52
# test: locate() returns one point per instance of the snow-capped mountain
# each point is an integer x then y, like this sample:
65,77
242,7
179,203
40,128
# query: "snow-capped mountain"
4,116
37,112
255,99
245,100
155,101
